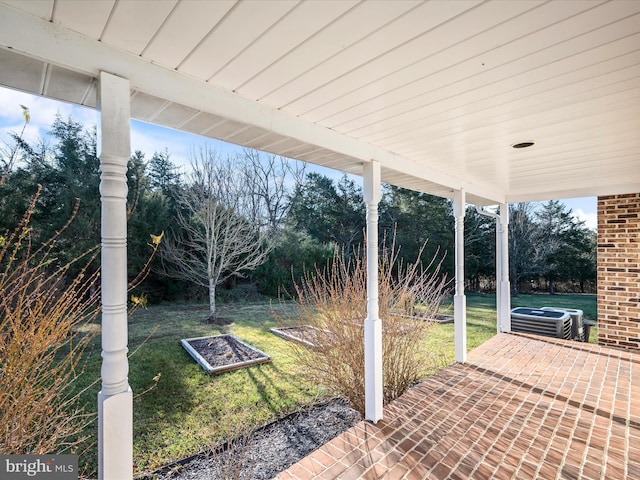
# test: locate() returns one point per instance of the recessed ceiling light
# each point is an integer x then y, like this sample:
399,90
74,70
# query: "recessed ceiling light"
523,144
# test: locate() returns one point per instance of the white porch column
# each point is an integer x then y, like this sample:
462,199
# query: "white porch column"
373,386
115,399
504,287
459,299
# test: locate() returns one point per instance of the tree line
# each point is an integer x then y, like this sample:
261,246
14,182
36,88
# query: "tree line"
260,220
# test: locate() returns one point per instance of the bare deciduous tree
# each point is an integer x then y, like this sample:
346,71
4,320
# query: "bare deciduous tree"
271,179
217,235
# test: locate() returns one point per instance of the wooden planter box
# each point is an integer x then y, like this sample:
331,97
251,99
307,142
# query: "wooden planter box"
223,353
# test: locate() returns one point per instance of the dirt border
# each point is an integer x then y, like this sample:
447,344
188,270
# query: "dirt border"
270,448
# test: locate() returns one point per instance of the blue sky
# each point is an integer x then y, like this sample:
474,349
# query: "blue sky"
149,138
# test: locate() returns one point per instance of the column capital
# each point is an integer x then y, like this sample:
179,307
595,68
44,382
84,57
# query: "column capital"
459,202
504,214
371,176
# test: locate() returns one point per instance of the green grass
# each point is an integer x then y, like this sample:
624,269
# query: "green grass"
481,317
189,409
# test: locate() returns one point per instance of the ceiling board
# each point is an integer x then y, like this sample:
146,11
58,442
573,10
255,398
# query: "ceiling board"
66,85
125,29
450,76
433,51
335,37
300,23
187,25
519,77
21,72
87,18
237,31
173,115
436,91
378,42
587,82
39,8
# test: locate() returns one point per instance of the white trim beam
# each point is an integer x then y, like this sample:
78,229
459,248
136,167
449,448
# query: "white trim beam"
52,43
593,191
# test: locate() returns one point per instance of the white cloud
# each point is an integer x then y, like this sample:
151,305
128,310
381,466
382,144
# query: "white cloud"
590,219
145,137
180,145
149,142
585,209
42,112
152,139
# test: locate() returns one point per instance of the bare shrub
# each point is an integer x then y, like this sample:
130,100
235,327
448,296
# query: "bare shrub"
43,309
234,460
42,313
40,310
333,301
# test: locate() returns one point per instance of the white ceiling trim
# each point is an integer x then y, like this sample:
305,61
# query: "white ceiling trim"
53,43
603,189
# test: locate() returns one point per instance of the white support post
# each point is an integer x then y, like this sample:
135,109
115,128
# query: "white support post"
498,272
373,386
504,288
459,299
115,399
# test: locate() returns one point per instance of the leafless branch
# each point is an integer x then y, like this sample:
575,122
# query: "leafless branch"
217,235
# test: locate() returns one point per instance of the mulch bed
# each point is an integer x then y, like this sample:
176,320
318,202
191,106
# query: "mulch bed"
266,451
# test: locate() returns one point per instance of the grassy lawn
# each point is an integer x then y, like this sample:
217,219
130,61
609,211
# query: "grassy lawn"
188,409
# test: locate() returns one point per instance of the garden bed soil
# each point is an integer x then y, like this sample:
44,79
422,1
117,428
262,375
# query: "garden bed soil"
223,353
268,450
444,318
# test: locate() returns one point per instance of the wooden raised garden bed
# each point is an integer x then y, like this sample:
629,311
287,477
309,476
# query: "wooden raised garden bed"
223,353
306,335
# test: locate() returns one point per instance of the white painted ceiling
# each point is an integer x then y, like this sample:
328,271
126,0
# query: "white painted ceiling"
436,91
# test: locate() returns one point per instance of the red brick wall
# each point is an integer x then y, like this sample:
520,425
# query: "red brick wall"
619,271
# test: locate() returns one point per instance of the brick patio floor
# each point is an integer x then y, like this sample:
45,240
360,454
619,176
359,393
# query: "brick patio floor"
522,407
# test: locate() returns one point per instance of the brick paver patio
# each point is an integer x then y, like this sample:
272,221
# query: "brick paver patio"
523,407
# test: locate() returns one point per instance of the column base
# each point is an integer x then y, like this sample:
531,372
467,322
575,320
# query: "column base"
115,436
373,386
460,328
504,309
